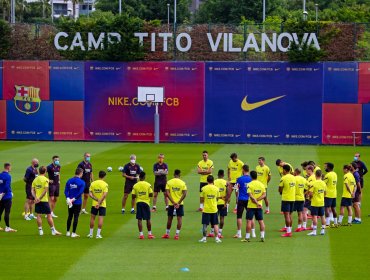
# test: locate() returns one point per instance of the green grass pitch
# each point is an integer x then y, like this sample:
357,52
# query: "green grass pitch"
341,254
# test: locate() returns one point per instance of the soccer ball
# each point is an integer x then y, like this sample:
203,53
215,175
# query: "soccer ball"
120,168
109,169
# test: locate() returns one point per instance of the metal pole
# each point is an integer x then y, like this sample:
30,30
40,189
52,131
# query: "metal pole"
317,12
168,17
264,11
12,11
304,10
88,8
52,10
156,125
175,13
120,7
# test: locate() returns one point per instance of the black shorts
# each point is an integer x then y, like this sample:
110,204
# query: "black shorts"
357,197
42,208
209,218
307,204
317,211
242,204
87,187
54,190
330,202
287,206
346,202
298,206
142,211
159,187
222,210
29,192
201,185
179,211
254,212
129,185
101,211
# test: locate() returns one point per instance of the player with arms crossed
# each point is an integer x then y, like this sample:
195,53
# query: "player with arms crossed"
204,168
349,188
40,188
257,193
209,196
317,195
331,180
160,170
287,191
98,192
234,171
176,191
264,176
53,170
87,177
141,193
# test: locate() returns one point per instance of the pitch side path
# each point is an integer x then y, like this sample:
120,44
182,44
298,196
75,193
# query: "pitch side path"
342,253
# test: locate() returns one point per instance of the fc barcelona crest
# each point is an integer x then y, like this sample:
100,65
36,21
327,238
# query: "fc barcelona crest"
27,99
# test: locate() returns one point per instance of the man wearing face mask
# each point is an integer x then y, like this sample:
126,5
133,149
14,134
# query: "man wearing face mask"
131,172
87,177
31,174
362,169
53,170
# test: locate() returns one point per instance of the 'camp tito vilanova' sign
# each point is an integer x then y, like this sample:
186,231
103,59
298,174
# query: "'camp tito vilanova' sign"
220,42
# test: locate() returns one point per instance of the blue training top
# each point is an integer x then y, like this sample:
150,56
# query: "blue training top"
243,182
5,185
74,189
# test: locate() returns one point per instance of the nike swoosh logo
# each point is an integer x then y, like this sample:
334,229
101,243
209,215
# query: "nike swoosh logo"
251,106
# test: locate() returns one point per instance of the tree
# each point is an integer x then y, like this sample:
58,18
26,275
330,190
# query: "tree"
5,34
147,9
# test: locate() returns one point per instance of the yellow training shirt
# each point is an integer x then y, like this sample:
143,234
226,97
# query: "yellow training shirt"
175,187
40,184
98,188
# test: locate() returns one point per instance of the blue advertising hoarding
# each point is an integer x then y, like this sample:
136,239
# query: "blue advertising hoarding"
263,102
30,125
1,80
340,82
366,123
67,81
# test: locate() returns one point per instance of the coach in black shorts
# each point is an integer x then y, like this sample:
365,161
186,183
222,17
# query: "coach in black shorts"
87,177
160,170
131,172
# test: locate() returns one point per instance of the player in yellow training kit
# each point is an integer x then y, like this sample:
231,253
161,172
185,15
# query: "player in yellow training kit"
209,196
234,171
142,193
257,192
349,184
204,168
98,192
317,195
176,191
287,191
222,202
301,185
331,180
264,176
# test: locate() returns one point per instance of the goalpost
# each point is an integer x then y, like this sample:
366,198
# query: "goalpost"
358,132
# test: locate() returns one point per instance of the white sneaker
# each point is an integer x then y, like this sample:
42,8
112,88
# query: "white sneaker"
253,235
53,215
31,216
8,229
90,236
68,234
313,233
83,211
41,232
27,218
55,232
99,237
74,235
203,240
218,240
322,232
